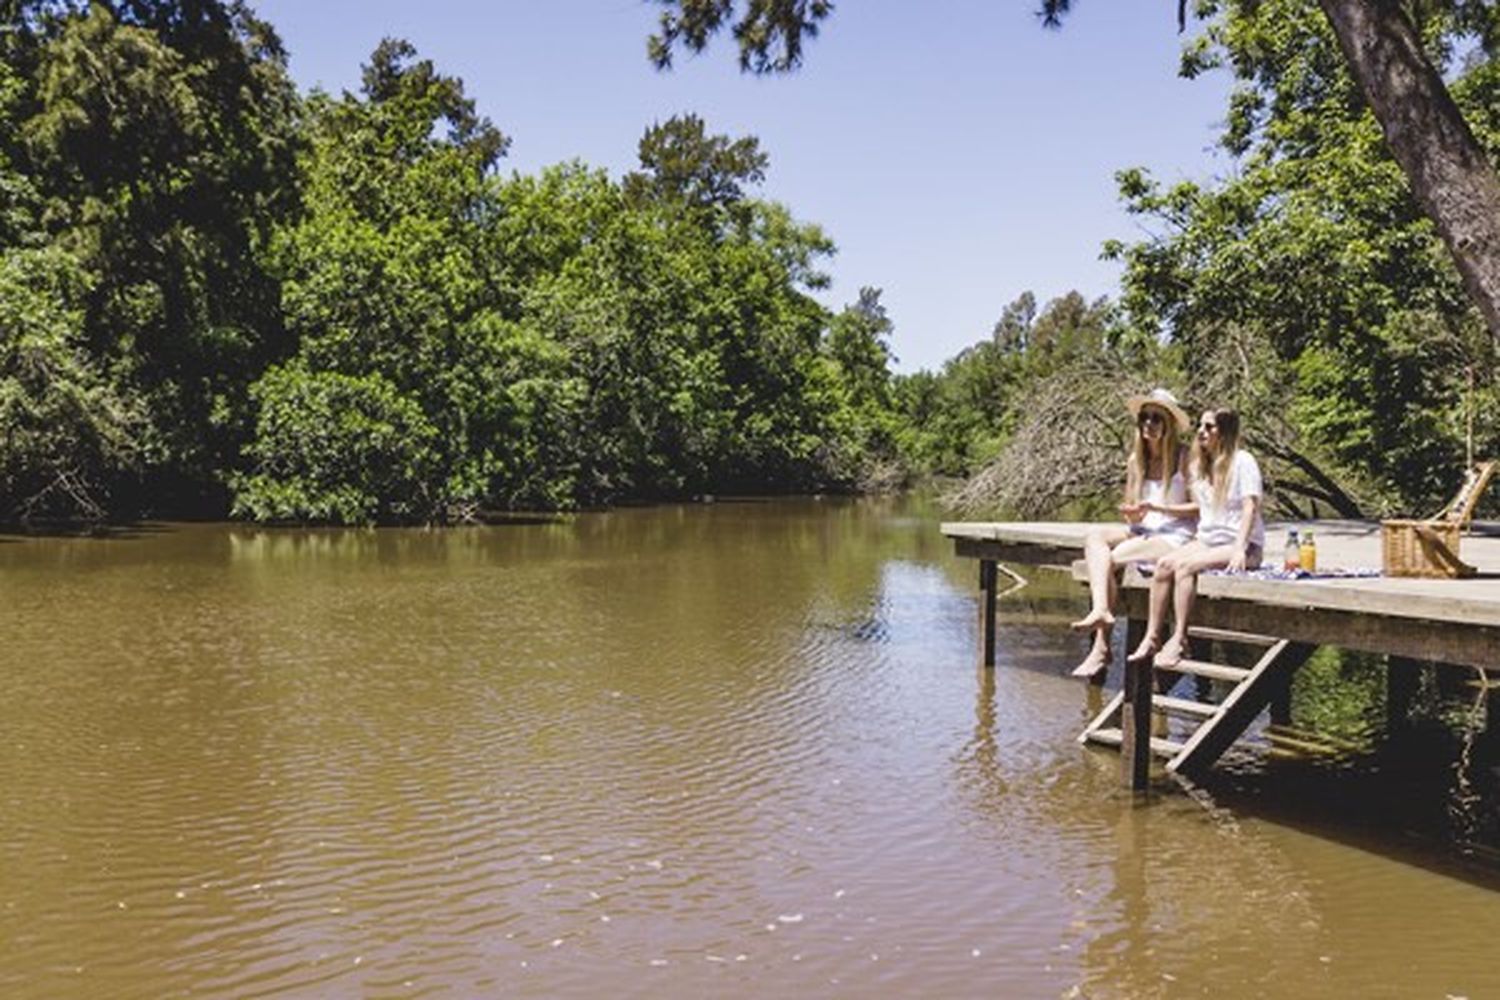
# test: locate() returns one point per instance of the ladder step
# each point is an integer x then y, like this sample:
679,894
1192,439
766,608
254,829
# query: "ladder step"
1181,707
1309,742
1184,707
1227,635
1114,738
1108,713
1217,671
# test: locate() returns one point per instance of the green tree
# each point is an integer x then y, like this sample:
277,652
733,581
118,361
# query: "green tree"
1449,173
681,163
687,316
339,448
859,343
468,341
68,432
1315,261
336,309
866,427
158,138
1012,331
966,415
770,32
408,398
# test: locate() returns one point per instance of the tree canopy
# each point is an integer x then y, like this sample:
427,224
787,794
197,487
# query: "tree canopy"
220,295
1383,44
1342,286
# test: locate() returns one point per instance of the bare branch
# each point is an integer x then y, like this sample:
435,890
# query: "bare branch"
1070,446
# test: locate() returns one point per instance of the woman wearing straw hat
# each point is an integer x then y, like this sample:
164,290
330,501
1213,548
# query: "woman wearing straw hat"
1157,510
1228,491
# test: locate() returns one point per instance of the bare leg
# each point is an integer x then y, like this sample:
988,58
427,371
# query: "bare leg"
1100,619
1097,658
1161,593
1185,591
1145,549
1096,551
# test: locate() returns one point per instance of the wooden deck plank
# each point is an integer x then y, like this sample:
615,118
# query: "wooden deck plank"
1452,621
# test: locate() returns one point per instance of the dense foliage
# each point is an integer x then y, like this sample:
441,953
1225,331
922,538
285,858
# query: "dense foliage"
219,295
1306,289
961,417
1309,288
1314,266
145,158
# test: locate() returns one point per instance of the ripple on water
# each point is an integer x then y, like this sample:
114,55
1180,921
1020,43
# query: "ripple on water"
732,751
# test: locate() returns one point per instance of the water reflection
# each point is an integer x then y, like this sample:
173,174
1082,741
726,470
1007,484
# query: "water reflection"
1125,948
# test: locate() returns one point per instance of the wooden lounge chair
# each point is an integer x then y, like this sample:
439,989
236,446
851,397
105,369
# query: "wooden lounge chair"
1430,548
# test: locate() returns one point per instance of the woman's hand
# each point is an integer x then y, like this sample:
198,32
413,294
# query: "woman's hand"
1134,512
1237,561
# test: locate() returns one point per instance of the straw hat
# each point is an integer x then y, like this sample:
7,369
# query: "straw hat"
1162,399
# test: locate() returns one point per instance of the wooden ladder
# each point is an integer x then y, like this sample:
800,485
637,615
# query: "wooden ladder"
1216,726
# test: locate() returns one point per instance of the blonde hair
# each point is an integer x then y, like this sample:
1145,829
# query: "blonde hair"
1214,468
1138,465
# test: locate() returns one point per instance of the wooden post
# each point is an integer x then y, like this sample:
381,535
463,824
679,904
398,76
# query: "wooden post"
987,586
1281,700
1135,631
1403,677
1135,715
1198,649
1281,703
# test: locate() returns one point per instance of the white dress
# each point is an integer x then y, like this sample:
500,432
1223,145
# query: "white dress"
1158,524
1221,525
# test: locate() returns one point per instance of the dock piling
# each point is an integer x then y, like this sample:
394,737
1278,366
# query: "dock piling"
987,588
1135,715
1403,678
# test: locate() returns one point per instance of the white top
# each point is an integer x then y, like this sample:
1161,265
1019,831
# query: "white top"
1156,522
1221,526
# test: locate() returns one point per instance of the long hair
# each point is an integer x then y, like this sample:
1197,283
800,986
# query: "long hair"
1138,465
1212,466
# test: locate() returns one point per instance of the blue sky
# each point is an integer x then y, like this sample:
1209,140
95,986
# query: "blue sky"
958,157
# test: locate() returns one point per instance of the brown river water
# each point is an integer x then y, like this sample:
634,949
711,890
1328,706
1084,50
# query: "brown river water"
731,750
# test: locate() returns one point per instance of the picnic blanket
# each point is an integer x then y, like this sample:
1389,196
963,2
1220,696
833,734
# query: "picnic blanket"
1321,573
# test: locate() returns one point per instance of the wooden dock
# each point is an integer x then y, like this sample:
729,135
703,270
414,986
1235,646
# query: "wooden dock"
1444,621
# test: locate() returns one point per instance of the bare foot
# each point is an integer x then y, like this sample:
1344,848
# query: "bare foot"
1144,652
1096,661
1170,655
1094,619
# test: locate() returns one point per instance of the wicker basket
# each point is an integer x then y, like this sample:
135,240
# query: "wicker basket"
1430,548
1422,548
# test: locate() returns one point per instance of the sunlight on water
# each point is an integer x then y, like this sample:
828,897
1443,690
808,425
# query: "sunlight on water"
733,750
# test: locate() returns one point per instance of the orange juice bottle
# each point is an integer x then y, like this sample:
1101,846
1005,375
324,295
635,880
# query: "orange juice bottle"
1309,552
1293,560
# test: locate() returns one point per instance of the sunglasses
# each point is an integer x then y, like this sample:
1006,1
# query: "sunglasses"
1208,427
1150,417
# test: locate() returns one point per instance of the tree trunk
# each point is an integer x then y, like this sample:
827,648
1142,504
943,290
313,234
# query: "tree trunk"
1453,182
